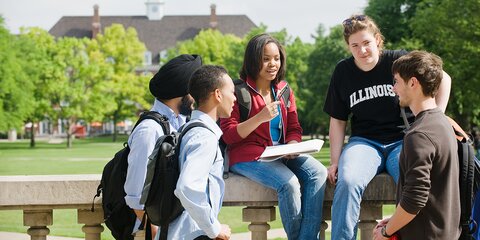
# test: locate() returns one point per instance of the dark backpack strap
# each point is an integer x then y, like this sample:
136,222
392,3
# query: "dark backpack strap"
244,98
157,117
163,232
148,228
404,117
185,128
99,191
285,94
226,161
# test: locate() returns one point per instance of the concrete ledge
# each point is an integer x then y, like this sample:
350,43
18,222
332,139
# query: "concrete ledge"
48,191
77,191
38,195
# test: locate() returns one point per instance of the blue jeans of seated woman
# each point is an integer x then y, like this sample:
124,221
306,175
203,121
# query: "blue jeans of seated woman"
300,185
361,160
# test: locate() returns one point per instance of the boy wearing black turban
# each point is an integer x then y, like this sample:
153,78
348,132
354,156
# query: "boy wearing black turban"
169,86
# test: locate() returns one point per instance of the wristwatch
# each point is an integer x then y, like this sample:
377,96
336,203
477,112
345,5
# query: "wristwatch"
384,232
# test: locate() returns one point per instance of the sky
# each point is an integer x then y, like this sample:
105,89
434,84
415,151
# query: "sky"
299,17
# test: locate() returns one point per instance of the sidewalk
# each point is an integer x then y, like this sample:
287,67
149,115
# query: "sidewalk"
272,234
24,236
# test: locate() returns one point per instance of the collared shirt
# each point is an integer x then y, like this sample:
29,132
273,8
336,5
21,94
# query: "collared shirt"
142,142
200,186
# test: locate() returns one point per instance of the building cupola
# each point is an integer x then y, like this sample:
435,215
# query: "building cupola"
155,9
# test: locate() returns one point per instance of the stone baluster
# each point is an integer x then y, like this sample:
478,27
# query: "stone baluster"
368,215
323,228
259,216
93,223
327,215
38,220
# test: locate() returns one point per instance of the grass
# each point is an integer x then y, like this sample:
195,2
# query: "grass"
88,156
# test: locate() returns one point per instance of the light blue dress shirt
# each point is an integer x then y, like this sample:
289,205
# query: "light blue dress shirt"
200,186
142,142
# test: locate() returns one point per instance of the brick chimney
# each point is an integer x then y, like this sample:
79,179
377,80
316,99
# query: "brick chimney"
95,22
213,16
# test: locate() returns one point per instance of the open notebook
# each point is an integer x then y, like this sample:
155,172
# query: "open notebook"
273,153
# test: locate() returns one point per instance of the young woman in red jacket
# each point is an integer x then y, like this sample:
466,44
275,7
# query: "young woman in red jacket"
298,179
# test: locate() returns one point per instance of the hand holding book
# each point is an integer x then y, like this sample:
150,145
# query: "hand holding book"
273,153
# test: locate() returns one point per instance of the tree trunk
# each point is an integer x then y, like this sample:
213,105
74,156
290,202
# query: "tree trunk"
32,135
115,119
69,133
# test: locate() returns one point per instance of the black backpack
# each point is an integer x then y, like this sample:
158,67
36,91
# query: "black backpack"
118,216
244,100
469,180
161,204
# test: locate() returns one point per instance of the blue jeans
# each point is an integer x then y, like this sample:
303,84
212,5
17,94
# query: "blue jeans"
300,185
361,160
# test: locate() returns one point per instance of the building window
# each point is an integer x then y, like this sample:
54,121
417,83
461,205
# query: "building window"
163,54
148,58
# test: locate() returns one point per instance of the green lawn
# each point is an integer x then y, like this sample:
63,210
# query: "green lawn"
88,156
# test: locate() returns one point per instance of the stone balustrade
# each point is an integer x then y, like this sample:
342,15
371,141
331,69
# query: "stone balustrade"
37,196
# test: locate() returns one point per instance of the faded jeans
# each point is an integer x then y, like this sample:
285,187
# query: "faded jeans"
361,160
300,185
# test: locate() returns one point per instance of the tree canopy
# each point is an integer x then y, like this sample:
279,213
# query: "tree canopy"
104,79
16,86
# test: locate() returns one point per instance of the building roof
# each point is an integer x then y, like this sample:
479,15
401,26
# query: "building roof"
157,35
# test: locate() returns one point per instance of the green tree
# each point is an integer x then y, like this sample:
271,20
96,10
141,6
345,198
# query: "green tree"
393,18
78,92
39,49
214,48
123,50
297,66
451,29
328,50
16,89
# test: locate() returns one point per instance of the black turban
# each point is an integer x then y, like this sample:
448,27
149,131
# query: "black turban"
172,79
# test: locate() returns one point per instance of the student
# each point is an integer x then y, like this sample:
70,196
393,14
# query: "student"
169,86
361,89
427,190
200,186
298,179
